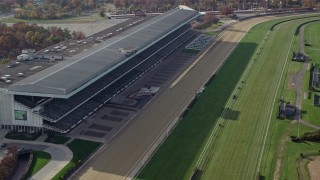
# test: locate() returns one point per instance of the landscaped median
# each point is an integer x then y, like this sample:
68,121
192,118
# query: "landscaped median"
81,149
22,136
55,139
40,159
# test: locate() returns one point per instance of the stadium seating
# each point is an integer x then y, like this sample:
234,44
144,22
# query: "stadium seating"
29,101
64,114
200,42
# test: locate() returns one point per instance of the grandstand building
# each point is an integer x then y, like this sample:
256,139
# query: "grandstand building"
36,95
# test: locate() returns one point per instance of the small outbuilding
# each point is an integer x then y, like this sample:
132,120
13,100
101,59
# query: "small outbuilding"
298,56
286,110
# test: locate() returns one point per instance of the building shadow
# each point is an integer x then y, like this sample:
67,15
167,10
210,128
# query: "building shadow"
230,114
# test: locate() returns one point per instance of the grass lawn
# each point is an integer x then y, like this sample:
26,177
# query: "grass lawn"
293,151
290,150
236,150
22,136
4,61
40,159
167,162
215,33
281,149
57,139
81,149
312,37
310,112
289,92
214,26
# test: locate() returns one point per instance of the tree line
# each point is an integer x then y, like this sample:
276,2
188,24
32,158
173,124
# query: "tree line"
209,5
46,9
21,36
55,9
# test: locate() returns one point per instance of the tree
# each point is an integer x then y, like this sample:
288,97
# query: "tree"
21,3
308,3
91,4
102,12
208,4
8,5
186,2
196,25
117,3
210,18
66,9
28,36
152,4
7,162
74,3
226,10
78,35
21,36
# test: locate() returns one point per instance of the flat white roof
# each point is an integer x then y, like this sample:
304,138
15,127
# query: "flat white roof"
68,75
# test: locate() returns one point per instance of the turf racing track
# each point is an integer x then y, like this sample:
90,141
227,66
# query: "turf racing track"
121,156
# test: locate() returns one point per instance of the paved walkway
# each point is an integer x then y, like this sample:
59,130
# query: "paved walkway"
60,155
309,124
299,78
42,138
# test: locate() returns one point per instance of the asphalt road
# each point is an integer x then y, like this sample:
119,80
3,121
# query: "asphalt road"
117,159
60,156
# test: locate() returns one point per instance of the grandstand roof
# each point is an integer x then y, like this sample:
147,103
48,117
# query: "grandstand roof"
78,71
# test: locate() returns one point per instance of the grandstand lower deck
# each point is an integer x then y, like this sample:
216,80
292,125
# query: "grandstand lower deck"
63,115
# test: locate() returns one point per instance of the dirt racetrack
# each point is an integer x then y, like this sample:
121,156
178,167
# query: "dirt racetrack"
314,167
117,158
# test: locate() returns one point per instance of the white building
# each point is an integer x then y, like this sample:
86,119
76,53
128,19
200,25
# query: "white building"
59,97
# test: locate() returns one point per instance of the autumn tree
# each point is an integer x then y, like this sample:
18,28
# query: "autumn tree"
21,3
78,35
23,36
226,10
208,4
6,6
186,2
210,18
308,3
7,162
196,25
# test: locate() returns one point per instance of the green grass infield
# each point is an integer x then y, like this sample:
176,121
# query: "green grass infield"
236,149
